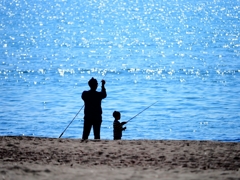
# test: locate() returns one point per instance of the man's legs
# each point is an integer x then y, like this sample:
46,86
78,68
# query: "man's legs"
86,129
96,129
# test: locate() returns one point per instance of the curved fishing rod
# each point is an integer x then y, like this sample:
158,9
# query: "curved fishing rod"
141,112
70,122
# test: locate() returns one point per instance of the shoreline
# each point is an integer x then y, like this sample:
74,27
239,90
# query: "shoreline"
24,157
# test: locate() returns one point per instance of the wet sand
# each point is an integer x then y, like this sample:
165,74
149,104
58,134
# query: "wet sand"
24,157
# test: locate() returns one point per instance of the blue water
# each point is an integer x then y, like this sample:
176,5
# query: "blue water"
182,53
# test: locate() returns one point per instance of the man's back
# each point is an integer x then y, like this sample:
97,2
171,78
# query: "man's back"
92,100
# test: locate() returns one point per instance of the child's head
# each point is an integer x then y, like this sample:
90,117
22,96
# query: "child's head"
116,115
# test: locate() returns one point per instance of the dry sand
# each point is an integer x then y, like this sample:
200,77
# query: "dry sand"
49,158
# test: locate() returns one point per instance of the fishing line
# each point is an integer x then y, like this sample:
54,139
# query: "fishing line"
141,111
71,122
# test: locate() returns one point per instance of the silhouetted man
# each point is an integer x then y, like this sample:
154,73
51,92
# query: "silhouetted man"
93,110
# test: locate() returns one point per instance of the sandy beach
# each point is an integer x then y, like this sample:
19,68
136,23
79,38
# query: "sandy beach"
51,158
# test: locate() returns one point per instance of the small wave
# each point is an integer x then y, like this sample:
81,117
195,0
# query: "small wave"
63,71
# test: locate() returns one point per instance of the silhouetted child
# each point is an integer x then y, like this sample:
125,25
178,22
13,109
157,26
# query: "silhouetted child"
117,126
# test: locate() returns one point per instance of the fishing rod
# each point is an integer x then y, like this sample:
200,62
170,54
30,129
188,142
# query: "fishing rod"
71,122
141,111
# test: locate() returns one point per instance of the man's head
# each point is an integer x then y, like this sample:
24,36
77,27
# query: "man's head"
93,84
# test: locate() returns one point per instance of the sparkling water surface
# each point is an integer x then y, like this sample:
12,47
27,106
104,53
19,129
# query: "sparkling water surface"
182,53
